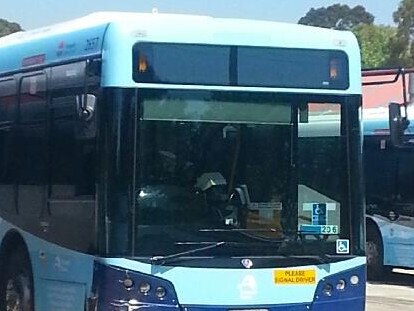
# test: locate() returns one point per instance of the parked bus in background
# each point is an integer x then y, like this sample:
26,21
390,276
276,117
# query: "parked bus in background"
164,161
389,169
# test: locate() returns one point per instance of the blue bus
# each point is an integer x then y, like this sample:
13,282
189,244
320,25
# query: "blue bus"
167,162
389,175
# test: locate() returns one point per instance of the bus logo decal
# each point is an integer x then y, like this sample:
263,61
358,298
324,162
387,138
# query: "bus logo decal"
247,263
248,287
65,49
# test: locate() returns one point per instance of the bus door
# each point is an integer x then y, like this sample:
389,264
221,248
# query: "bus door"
72,162
69,217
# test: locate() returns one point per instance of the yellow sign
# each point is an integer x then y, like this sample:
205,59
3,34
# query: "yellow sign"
294,277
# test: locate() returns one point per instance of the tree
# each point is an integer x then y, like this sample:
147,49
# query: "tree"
337,16
374,42
8,27
402,48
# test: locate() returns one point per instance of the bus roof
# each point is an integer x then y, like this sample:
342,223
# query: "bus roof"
48,45
86,36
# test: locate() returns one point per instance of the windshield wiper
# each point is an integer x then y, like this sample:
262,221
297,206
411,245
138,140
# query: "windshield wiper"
160,260
323,259
250,234
240,230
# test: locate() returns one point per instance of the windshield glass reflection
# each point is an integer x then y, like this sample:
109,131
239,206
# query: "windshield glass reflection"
211,170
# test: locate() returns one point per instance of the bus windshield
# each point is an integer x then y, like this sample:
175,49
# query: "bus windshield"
215,166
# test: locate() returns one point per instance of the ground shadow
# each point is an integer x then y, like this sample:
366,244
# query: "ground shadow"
397,278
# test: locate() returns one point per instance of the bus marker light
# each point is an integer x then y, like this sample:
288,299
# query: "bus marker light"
334,69
142,64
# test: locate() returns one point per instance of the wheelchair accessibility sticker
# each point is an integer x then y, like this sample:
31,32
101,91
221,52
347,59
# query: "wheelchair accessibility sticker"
319,214
342,246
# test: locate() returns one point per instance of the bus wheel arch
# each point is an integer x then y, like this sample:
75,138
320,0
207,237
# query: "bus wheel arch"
374,251
16,283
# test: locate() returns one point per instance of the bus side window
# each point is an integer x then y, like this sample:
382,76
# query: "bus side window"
72,139
8,98
73,158
31,145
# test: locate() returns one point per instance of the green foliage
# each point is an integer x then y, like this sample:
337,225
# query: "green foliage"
337,16
8,27
374,42
402,48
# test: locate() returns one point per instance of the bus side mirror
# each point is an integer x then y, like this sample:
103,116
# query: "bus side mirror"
86,106
397,123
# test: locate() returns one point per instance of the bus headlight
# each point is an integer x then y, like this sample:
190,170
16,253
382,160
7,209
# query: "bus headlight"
327,289
144,288
160,292
121,289
354,280
128,283
341,284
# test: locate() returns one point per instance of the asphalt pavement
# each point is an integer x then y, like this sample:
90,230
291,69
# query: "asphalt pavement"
396,292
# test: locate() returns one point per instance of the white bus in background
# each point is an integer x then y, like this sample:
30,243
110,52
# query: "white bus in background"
389,170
